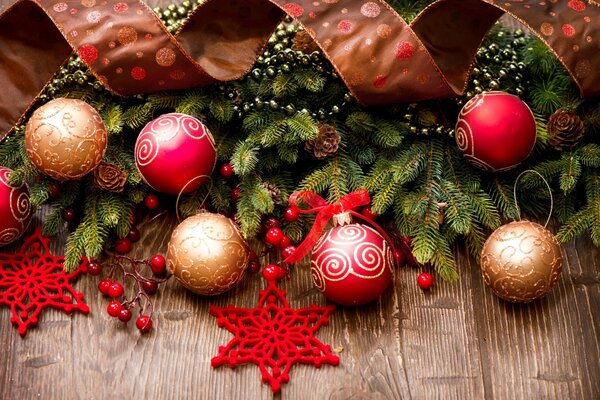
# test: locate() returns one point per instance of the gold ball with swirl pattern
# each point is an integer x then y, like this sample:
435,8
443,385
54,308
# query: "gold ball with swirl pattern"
65,139
207,254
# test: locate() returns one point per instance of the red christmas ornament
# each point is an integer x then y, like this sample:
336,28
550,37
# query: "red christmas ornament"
175,152
15,209
495,131
273,336
34,279
352,264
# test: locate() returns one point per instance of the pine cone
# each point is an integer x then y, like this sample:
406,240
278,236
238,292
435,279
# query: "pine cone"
110,177
325,144
274,192
565,128
304,43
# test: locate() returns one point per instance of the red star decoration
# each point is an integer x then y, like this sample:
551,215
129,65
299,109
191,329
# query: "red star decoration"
273,336
34,279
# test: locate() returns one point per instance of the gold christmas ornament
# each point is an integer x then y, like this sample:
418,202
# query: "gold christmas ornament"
207,254
65,139
521,261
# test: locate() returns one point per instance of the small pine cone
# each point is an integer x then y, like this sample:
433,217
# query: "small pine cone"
110,177
304,43
274,192
565,128
325,144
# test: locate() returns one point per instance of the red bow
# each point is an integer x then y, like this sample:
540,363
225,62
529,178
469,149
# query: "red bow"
325,212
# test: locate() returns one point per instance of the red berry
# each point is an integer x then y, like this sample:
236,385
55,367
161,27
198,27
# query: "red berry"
272,222
150,287
132,217
252,255
114,308
254,267
425,280
151,202
158,265
55,190
285,241
274,236
104,285
226,171
115,290
368,213
94,268
143,323
399,257
123,245
125,315
288,251
134,234
273,272
291,214
68,214
236,194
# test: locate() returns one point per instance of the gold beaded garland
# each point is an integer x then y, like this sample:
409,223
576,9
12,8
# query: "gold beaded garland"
65,139
207,254
521,261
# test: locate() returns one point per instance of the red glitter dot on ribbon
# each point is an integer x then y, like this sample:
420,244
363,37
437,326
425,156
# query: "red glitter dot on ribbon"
138,73
88,53
120,7
379,82
404,50
576,5
295,10
345,26
568,30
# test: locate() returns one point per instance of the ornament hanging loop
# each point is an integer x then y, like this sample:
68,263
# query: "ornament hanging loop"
549,191
209,178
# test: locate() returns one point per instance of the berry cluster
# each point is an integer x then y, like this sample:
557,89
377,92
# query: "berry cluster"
120,307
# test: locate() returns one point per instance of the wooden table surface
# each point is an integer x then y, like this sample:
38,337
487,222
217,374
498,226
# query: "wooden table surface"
457,341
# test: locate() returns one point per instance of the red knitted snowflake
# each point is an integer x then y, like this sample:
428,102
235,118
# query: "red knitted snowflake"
273,336
34,279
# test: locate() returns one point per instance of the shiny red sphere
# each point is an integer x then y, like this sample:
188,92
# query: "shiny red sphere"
174,153
274,236
143,323
114,308
291,214
151,202
495,131
115,290
15,208
104,285
273,272
94,268
150,287
125,315
226,171
425,280
134,234
352,264
123,245
236,194
158,264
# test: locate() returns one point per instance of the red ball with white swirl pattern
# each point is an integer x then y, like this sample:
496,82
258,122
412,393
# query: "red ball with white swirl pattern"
495,131
15,208
175,153
352,265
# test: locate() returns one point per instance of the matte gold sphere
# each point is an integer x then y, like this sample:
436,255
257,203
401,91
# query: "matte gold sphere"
65,139
521,261
207,254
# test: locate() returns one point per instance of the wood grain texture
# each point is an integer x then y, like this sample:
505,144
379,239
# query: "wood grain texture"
457,341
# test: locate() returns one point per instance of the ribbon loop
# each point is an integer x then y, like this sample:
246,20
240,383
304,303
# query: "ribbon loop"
325,212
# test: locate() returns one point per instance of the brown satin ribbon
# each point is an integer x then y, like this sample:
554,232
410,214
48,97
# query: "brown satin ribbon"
381,58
